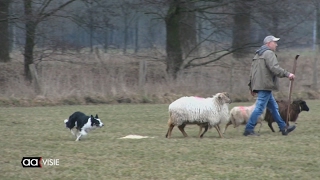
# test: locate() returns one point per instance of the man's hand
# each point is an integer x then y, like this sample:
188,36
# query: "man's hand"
253,93
291,76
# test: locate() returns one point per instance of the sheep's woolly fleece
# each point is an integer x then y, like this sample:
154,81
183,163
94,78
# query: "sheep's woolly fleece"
195,109
135,137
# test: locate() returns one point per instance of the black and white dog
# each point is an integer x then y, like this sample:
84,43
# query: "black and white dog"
82,123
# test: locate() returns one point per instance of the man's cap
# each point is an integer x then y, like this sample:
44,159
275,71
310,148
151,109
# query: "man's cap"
269,39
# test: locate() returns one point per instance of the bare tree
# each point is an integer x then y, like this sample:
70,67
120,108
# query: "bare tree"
242,26
317,41
4,31
226,28
126,20
136,35
188,31
34,16
173,43
129,13
225,25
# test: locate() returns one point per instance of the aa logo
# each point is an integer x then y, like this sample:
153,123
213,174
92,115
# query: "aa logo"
38,162
33,162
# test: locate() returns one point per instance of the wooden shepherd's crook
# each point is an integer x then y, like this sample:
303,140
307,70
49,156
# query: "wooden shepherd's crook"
291,85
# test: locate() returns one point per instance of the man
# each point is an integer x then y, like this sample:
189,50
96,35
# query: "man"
264,74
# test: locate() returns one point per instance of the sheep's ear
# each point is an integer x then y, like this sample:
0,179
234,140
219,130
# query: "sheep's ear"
91,117
302,103
96,116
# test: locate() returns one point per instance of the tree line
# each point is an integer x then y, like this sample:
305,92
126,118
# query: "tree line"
191,32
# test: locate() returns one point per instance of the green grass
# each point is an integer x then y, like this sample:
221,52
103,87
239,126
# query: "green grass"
39,131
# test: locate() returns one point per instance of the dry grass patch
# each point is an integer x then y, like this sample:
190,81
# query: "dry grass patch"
106,78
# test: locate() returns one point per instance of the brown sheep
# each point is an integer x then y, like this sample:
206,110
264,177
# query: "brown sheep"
295,108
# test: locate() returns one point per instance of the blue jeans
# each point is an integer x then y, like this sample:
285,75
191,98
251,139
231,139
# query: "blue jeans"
265,99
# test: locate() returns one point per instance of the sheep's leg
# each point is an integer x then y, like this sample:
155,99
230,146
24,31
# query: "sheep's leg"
260,126
218,129
229,123
270,125
168,135
200,130
181,128
205,130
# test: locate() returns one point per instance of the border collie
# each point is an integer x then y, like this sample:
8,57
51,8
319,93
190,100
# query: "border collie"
82,123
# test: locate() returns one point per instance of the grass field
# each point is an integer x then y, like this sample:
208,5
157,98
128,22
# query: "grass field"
39,131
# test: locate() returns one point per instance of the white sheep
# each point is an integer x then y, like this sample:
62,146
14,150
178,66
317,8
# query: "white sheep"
239,115
205,112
